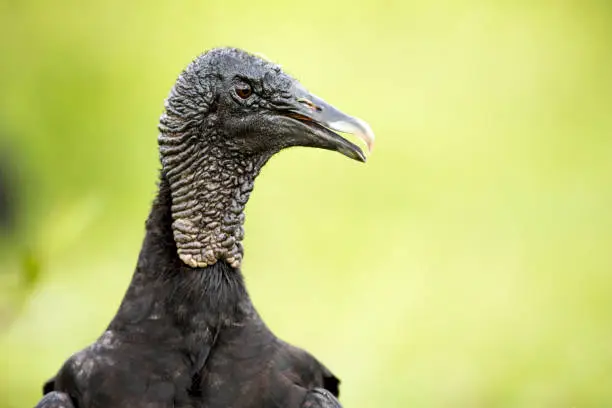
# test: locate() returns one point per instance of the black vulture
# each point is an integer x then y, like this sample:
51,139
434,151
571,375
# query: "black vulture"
186,333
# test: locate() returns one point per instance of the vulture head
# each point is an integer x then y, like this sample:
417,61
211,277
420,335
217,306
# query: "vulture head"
227,114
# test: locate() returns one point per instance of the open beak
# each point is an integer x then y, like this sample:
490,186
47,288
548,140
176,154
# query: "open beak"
323,119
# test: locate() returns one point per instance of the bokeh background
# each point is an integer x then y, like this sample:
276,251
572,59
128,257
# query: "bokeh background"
466,265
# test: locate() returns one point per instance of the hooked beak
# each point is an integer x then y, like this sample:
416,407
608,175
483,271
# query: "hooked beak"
323,119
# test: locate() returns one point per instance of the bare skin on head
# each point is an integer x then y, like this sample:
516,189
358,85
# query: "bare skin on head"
212,169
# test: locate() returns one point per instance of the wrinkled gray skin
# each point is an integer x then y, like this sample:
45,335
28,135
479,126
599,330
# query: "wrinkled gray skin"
211,178
186,333
214,142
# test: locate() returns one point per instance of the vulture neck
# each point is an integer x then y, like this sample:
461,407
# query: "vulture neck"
210,183
171,303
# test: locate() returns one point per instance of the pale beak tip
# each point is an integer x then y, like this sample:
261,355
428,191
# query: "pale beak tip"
357,127
367,135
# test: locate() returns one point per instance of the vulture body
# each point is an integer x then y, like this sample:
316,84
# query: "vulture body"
186,333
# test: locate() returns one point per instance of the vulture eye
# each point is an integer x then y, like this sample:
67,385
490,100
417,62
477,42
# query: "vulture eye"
243,90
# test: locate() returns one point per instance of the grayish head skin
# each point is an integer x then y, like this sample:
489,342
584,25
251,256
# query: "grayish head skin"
227,114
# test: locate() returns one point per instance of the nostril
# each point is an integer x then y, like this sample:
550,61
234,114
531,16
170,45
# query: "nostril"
310,104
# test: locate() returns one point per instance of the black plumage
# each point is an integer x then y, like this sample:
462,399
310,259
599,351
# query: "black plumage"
186,333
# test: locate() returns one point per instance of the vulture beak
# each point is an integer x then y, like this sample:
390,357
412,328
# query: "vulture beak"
323,119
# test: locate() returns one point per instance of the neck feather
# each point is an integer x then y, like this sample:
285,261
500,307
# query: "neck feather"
170,299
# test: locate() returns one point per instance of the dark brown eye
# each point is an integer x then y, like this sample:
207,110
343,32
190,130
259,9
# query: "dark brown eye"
243,90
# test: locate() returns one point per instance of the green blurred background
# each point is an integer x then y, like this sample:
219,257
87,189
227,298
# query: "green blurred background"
466,265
